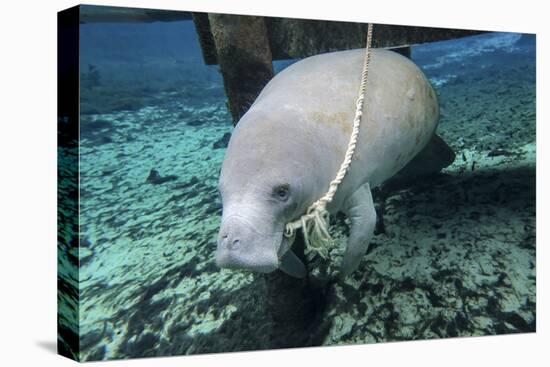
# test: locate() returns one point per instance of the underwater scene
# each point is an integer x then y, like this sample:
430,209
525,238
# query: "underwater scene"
453,255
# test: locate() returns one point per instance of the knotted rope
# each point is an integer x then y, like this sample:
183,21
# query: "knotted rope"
315,222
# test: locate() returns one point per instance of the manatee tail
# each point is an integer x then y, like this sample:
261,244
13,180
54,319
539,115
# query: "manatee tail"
435,156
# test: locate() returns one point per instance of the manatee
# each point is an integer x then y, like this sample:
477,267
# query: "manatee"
288,146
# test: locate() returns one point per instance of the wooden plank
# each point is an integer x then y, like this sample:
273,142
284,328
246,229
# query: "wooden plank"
299,38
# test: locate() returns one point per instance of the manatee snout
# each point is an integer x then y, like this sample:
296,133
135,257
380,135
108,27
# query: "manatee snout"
242,246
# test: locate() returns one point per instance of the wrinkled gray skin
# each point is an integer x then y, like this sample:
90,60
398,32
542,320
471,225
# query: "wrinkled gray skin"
289,145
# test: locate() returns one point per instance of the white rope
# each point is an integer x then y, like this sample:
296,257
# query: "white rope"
314,223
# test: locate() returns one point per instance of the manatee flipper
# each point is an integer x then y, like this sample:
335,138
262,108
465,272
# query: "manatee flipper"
292,265
359,208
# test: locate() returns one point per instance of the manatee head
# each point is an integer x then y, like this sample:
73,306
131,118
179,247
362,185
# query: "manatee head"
253,220
263,186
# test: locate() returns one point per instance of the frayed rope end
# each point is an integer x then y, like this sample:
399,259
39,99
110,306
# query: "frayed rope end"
315,230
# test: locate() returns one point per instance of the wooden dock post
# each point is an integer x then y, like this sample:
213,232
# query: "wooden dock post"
244,56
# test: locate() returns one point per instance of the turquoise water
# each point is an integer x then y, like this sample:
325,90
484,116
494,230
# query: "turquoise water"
455,255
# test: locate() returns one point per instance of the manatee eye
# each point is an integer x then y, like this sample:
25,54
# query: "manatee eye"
281,192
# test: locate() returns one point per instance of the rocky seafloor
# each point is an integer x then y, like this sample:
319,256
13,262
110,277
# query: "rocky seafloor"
453,255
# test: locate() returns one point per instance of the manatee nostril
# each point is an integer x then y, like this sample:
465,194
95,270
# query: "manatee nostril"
223,242
229,243
234,244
